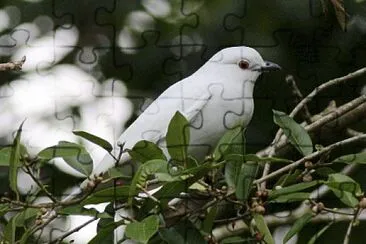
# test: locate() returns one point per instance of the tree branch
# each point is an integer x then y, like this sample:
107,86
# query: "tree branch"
310,157
16,65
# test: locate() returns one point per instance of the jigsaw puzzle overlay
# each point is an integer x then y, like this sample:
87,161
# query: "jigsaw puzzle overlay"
121,70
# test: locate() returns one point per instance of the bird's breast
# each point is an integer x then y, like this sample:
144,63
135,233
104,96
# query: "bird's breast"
224,110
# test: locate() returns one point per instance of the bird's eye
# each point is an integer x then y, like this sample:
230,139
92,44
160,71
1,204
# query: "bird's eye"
243,64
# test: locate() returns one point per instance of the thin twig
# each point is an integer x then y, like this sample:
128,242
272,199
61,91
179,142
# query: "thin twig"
40,185
16,65
59,239
350,226
339,118
310,157
299,97
324,86
337,113
282,218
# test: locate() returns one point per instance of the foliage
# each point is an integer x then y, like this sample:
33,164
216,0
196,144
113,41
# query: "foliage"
230,171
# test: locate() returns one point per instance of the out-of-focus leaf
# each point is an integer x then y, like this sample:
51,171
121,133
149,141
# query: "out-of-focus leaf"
171,236
232,172
5,156
296,134
291,197
263,228
95,139
74,155
289,178
9,231
105,231
345,188
4,208
293,188
245,180
114,173
79,210
114,193
15,161
18,220
145,150
233,137
297,226
146,169
182,233
358,158
144,230
319,233
238,174
209,219
177,138
235,239
173,189
324,171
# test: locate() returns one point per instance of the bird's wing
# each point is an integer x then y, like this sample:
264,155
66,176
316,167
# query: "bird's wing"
152,124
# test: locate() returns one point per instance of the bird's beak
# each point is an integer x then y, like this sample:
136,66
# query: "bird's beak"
269,66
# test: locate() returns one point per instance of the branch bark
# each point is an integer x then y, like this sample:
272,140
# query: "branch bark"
16,65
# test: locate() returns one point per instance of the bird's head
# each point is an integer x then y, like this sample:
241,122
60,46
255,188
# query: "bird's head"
241,62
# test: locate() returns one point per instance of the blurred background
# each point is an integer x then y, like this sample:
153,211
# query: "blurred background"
95,65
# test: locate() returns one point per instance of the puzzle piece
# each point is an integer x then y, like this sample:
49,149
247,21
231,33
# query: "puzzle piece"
117,39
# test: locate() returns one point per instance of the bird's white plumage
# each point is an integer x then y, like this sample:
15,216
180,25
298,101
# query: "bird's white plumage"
214,98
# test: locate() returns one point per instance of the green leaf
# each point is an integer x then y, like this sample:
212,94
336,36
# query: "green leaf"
79,210
15,161
144,230
209,219
117,173
263,228
289,178
5,156
297,226
145,170
358,158
105,231
291,189
145,150
294,132
291,197
177,138
9,231
232,173
232,138
74,155
95,139
18,220
115,193
245,180
324,171
236,239
319,233
345,188
4,208
172,236
183,232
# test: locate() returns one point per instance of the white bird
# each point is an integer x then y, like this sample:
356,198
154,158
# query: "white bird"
214,99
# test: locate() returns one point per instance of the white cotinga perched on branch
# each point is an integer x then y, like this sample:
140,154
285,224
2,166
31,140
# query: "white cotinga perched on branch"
215,98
